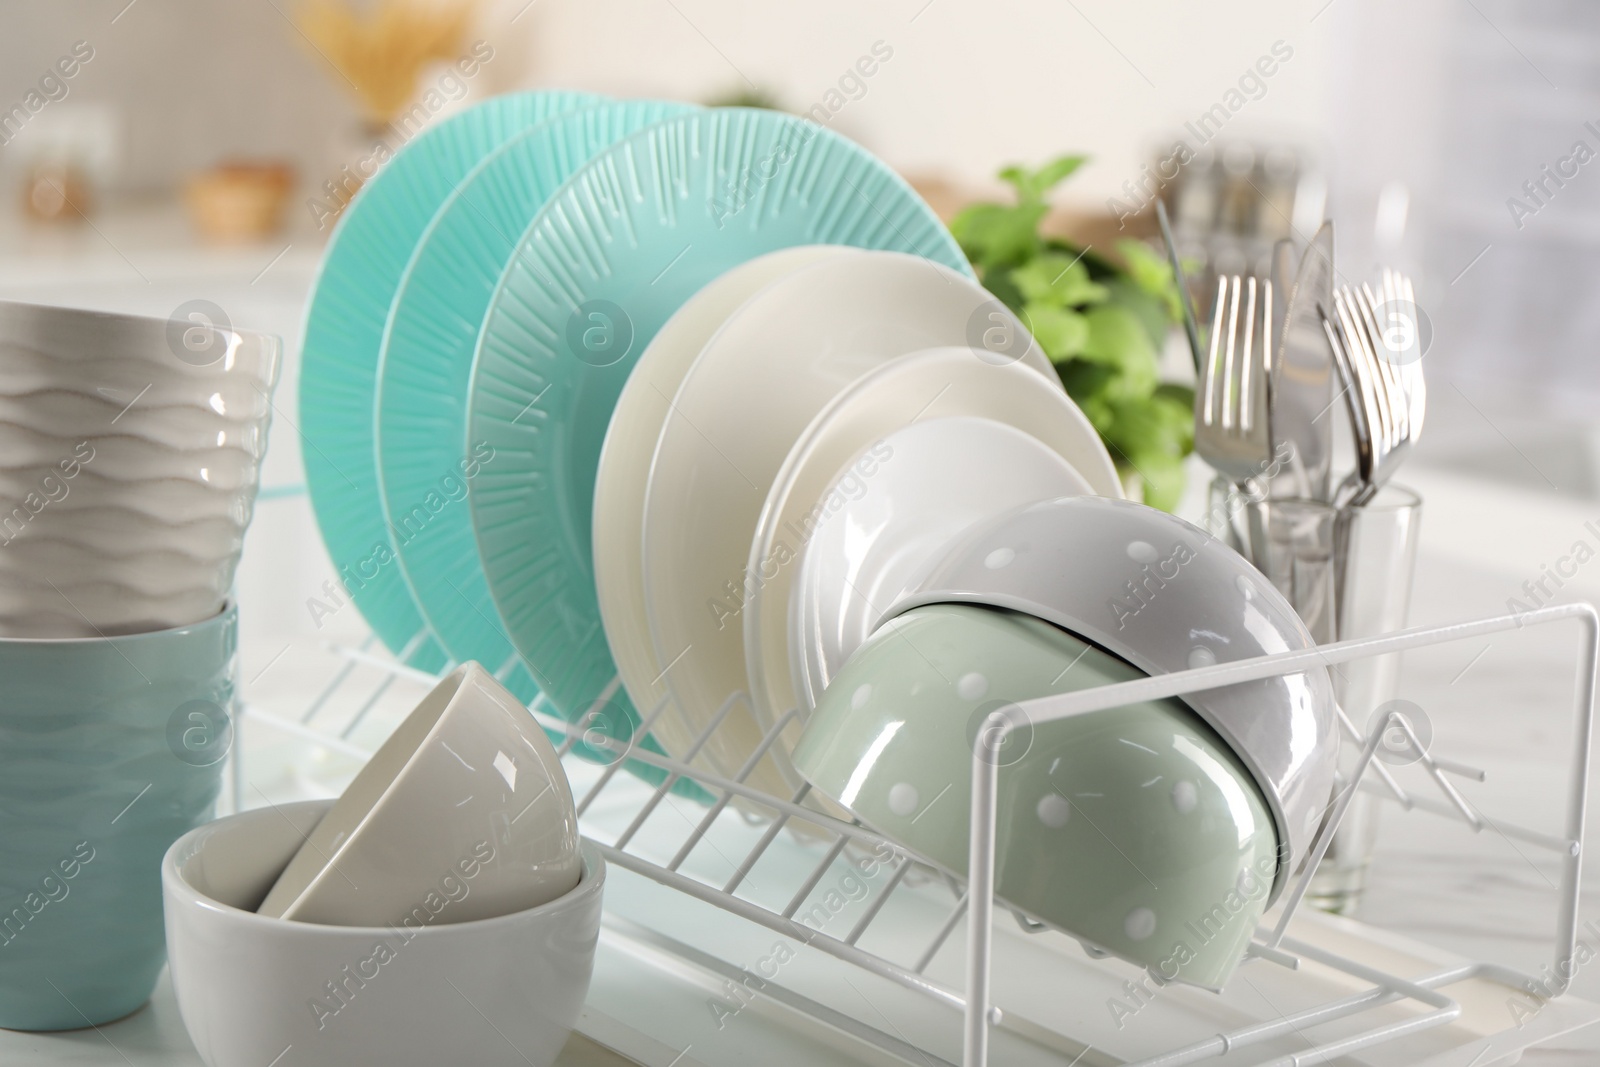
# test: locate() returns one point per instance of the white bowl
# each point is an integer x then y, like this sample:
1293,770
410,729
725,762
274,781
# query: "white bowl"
468,782
130,450
253,991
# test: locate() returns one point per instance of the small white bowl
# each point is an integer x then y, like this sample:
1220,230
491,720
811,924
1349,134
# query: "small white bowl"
467,789
500,992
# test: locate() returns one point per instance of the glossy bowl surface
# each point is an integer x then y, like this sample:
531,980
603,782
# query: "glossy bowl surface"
498,992
1163,595
869,492
467,779
1135,828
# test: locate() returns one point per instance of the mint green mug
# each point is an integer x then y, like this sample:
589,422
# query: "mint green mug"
110,750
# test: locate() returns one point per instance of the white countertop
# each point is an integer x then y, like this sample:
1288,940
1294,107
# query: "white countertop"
1503,704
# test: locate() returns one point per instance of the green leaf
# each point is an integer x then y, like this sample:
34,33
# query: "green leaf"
1054,278
1152,273
1020,178
1152,436
1085,383
995,236
1102,322
1033,185
1150,312
1163,481
1056,171
999,283
1062,333
1117,338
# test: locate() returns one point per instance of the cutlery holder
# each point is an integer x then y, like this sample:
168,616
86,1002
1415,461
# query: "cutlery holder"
1348,572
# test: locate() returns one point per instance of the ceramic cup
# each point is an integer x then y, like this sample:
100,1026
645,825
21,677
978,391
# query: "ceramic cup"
130,453
499,992
109,751
468,782
1134,829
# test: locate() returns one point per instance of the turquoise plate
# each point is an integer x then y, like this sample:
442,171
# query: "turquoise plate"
424,459
344,332
608,260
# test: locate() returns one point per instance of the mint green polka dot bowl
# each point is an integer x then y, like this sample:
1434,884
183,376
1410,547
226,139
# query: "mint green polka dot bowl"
1135,829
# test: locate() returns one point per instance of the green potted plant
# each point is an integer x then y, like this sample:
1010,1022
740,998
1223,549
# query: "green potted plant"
1101,322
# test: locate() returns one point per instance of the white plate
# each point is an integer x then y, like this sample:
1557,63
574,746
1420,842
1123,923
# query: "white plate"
764,376
624,469
941,476
935,384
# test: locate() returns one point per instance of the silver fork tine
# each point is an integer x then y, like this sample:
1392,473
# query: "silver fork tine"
1247,368
1367,372
1360,374
1382,359
1230,402
1347,378
1391,378
1213,360
1259,379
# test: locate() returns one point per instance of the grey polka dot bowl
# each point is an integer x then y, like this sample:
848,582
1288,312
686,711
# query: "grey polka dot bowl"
1162,595
1135,829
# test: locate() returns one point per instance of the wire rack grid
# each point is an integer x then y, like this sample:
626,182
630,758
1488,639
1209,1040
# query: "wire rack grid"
644,847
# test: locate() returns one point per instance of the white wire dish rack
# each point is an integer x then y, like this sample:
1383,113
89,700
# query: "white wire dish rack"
880,952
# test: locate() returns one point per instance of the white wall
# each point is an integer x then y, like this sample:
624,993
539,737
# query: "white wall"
972,85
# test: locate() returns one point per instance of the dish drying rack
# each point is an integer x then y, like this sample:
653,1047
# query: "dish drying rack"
1379,1007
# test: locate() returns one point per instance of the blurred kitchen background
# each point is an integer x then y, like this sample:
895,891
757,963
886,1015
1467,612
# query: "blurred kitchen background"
155,153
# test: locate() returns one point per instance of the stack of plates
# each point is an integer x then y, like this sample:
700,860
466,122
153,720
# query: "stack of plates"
652,409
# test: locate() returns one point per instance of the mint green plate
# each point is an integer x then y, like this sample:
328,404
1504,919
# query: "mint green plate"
424,458
608,260
343,334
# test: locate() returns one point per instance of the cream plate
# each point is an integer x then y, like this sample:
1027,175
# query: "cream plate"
619,485
764,376
843,451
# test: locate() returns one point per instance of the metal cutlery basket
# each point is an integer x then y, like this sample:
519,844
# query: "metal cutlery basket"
711,854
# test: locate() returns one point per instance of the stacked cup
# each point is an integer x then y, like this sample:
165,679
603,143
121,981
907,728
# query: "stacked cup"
130,452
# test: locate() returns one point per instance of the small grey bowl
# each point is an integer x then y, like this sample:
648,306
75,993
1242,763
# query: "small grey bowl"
1164,596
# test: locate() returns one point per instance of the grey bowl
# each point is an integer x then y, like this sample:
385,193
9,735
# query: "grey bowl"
1163,595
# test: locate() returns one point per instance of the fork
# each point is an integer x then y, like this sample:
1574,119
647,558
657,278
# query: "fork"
1383,381
1232,430
1232,422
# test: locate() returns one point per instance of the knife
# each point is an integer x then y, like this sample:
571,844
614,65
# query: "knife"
1302,376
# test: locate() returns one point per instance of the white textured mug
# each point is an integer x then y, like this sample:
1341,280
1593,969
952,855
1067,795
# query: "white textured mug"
130,454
